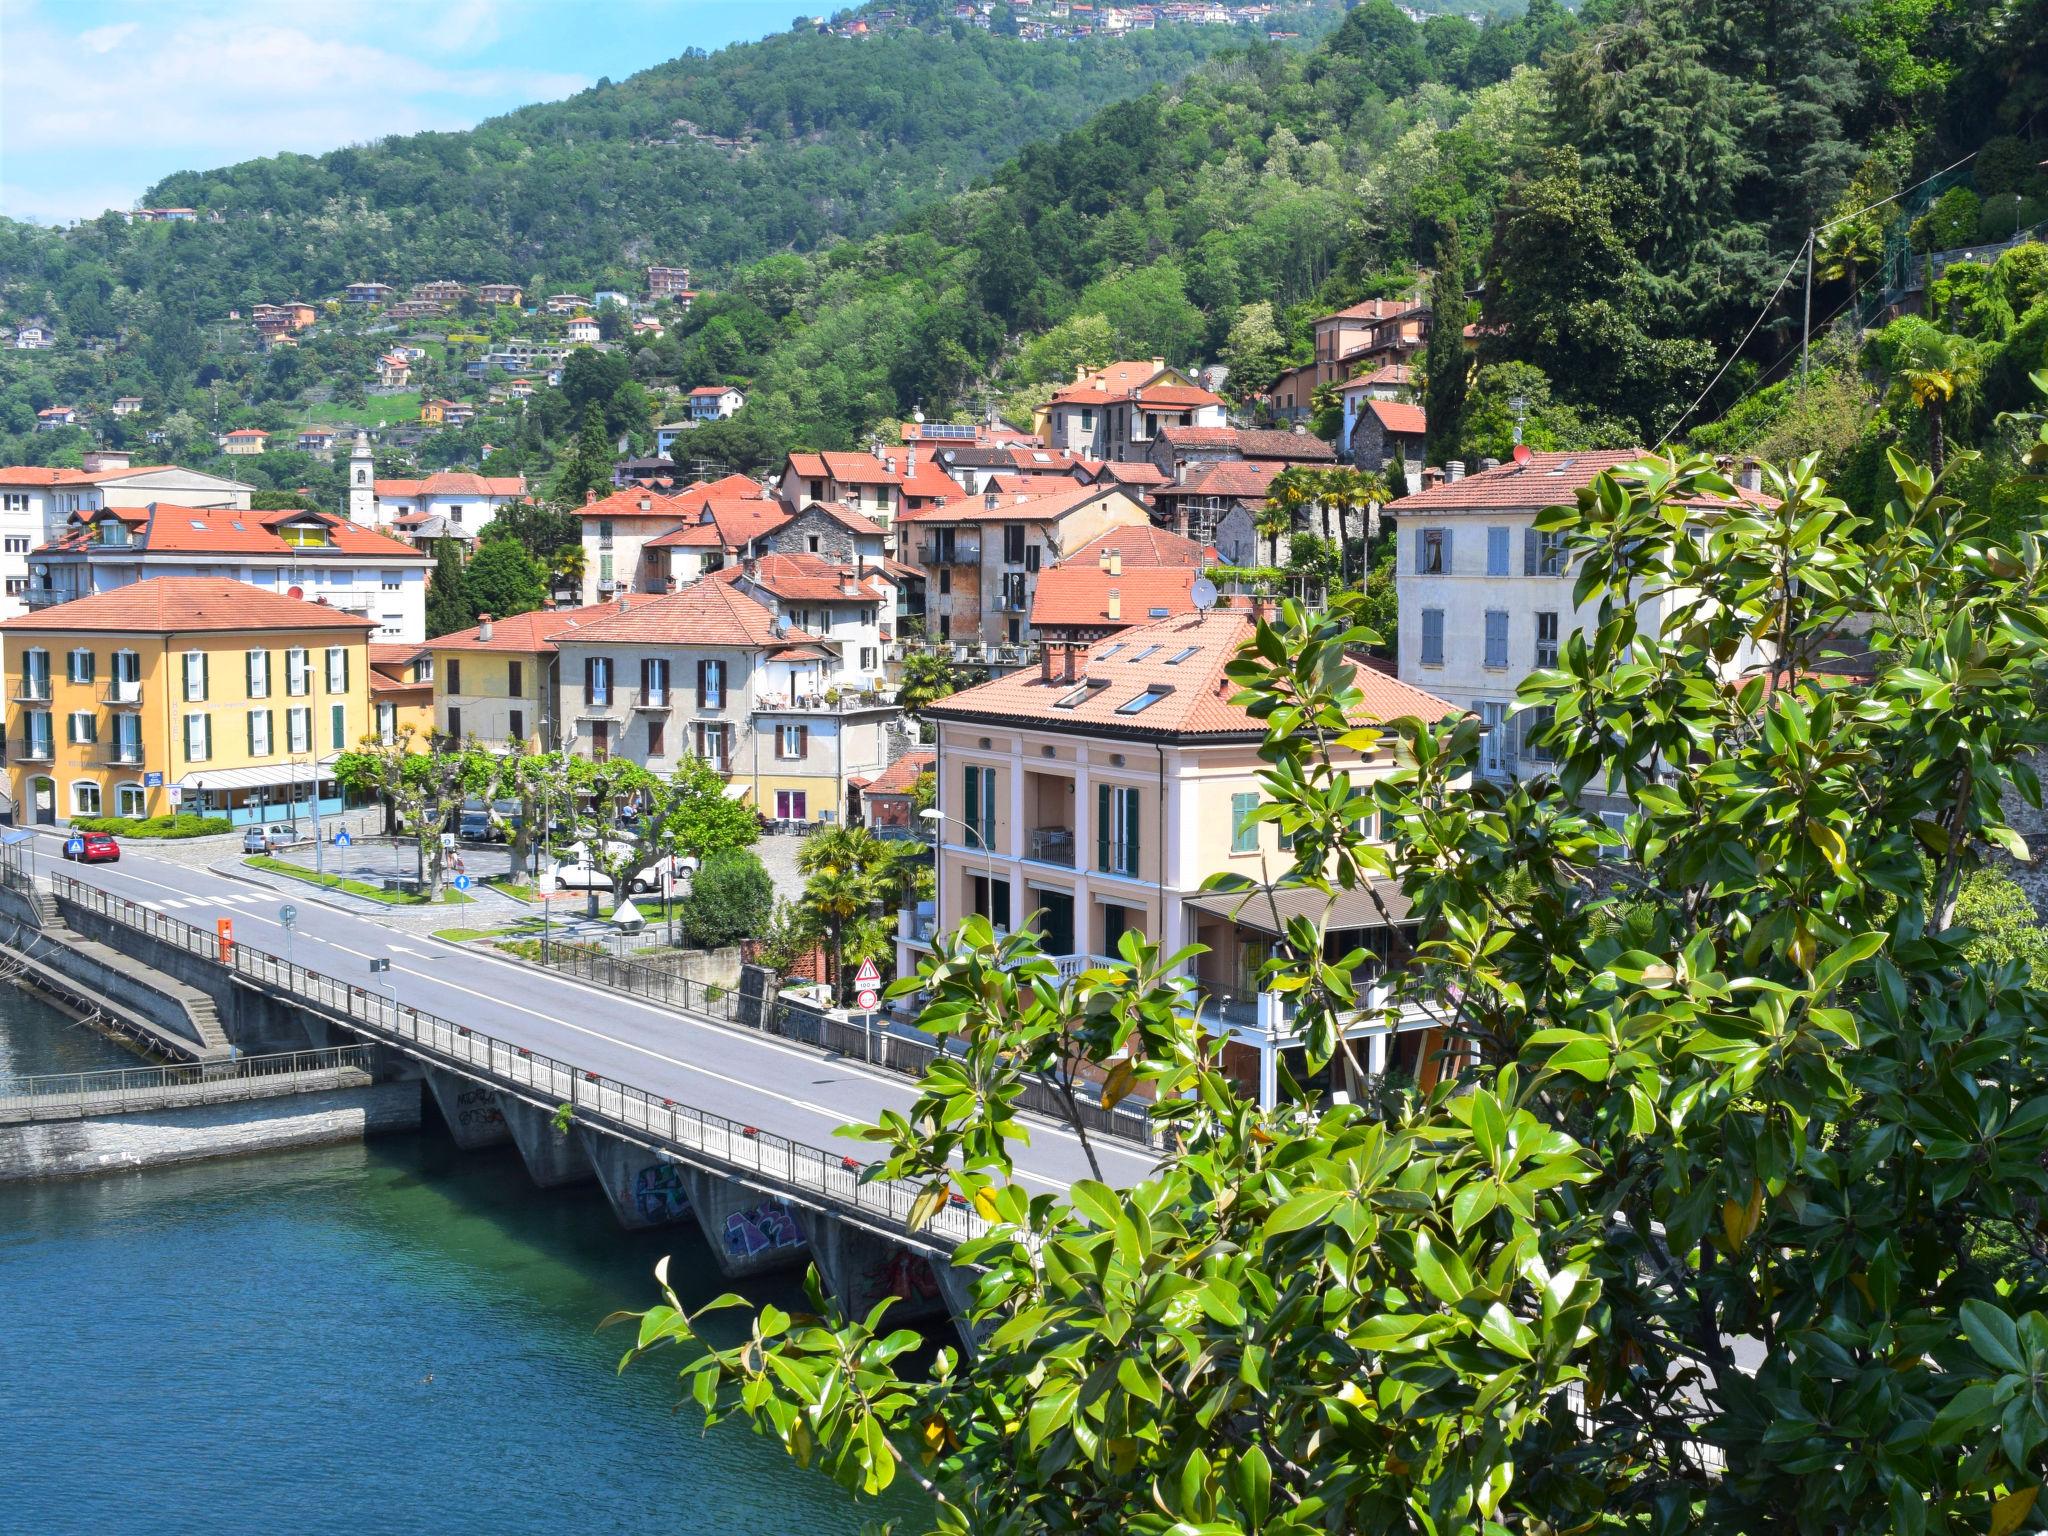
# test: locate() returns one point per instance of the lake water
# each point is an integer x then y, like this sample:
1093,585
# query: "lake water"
384,1337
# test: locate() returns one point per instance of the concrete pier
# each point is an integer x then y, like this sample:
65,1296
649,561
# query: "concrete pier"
552,1158
861,1267
748,1231
470,1110
644,1188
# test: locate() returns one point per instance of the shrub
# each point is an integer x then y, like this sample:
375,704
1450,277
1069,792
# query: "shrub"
731,899
184,824
1950,223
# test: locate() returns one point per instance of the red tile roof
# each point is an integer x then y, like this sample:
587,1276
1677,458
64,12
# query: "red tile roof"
1238,478
847,468
901,776
1375,309
1046,506
712,391
1142,546
706,613
1112,381
1545,479
1293,447
1197,702
1399,416
637,501
927,482
394,653
181,605
1175,394
1140,473
451,483
165,528
1199,437
807,578
524,634
1073,595
1388,373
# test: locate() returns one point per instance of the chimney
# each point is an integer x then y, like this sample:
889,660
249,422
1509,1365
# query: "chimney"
848,586
1158,362
1489,462
1045,661
483,626
1301,429
1431,475
625,601
1071,672
1752,476
590,496
1116,562
646,504
1102,560
909,459
889,463
1116,605
1454,470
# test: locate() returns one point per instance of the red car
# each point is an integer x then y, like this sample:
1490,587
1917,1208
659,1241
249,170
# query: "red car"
92,848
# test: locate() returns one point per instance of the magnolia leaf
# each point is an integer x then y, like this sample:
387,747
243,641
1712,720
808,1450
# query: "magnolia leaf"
2010,1512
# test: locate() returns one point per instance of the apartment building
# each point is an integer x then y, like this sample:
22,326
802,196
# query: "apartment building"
182,693
495,683
401,691
1094,795
1118,412
1128,577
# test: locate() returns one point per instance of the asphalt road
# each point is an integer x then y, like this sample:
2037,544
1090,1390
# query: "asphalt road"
755,1079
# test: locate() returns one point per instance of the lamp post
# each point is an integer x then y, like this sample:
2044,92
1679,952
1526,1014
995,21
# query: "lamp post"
974,836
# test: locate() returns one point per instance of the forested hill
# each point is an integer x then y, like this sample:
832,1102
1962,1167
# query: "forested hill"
704,161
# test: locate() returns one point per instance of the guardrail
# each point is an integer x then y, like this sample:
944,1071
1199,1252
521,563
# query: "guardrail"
831,1176
71,1095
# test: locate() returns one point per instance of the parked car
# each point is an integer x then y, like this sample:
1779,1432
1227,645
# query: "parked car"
473,822
93,848
263,838
577,873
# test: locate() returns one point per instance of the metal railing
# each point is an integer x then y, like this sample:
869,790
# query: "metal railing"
1052,845
601,1100
640,979
960,552
72,1095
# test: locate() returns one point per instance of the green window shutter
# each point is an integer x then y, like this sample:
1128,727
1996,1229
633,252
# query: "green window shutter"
208,718
1102,826
252,734
1130,832
1244,832
971,779
249,679
205,692
336,718
988,807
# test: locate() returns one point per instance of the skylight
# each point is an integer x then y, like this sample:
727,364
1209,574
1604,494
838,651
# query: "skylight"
1108,651
1144,701
196,523
1181,655
1158,613
1141,655
1089,686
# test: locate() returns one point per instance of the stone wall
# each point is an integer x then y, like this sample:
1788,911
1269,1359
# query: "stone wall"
150,1138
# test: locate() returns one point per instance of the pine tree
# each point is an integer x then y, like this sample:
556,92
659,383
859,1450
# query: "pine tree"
448,608
1448,367
588,464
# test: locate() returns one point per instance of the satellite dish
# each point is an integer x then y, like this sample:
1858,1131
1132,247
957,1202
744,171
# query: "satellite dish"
782,625
1203,594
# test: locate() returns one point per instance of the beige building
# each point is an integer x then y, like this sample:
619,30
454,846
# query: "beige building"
1094,795
497,681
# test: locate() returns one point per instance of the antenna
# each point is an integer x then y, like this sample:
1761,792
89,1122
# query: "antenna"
1203,594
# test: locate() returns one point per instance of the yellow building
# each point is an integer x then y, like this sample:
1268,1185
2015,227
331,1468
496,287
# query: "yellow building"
496,682
401,691
182,693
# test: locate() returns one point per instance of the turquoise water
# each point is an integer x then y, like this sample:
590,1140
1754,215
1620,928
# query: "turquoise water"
383,1337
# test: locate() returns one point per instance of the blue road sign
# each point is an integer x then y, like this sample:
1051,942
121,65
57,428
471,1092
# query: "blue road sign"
341,838
153,780
75,845
462,882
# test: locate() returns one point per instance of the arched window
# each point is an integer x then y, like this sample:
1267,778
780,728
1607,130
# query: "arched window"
85,798
361,476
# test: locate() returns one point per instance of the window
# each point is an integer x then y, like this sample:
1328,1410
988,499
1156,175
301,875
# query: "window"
1496,637
85,798
78,666
1617,823
1546,639
387,723
515,678
256,672
393,584
1432,637
131,800
455,724
1152,695
1140,655
298,730
38,739
1032,555
711,685
869,658
792,805
298,672
1493,758
1244,832
792,742
337,727
515,725
945,581
1116,830
657,736
597,681
455,674
14,501
1532,727
1432,551
81,727
195,676
1542,553
337,669
813,542
1013,543
712,744
17,544
1087,418
259,732
654,680
198,738
127,739
1497,551
980,808
601,740
1181,655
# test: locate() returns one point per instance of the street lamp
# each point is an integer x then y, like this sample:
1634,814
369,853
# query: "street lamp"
974,836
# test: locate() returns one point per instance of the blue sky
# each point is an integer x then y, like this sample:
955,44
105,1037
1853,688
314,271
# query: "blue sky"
101,98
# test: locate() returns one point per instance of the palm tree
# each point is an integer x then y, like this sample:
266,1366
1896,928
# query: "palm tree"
848,869
1930,369
928,676
1848,250
1291,489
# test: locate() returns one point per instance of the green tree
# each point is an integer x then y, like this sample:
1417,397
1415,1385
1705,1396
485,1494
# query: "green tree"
927,677
587,466
503,579
1255,351
1929,369
1747,1086
731,898
1447,365
849,870
2007,929
448,605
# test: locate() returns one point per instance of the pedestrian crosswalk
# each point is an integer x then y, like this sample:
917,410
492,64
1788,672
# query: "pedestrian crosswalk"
237,899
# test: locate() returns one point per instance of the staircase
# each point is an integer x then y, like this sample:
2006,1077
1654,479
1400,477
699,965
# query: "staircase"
205,1019
47,915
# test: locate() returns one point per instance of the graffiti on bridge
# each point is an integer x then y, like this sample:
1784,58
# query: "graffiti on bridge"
760,1228
905,1275
659,1195
478,1107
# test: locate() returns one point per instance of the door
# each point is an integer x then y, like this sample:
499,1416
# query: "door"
1055,920
42,795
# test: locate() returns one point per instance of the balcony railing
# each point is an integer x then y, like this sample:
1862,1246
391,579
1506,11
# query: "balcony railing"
1053,845
45,597
32,690
959,552
120,695
36,752
119,754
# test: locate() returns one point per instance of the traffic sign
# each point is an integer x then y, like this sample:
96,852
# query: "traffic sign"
869,976
153,780
462,882
869,998
177,794
74,847
341,838
287,914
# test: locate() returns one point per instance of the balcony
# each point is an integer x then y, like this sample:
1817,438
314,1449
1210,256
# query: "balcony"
36,752
958,552
32,690
655,702
122,695
119,754
1052,845
848,702
45,597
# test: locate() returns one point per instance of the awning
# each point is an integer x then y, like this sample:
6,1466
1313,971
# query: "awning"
203,779
1255,908
739,789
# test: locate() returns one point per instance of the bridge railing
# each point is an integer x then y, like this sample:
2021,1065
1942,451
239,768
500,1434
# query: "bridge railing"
71,1094
832,1176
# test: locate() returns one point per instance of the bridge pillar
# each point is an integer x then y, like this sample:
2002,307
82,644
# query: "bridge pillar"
860,1267
470,1109
748,1231
956,1285
552,1159
644,1188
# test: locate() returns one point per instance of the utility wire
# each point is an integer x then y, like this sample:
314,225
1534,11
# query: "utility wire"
1737,352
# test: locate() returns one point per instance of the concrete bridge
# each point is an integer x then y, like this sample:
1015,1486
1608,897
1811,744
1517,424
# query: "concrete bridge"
675,1116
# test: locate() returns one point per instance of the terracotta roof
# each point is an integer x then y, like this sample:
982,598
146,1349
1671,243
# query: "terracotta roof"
1030,459
636,501
525,634
247,432
712,391
451,483
394,653
171,529
1199,437
1047,507
383,683
696,535
1375,309
928,481
849,468
1387,373
1112,381
901,776
1175,394
1544,479
37,474
1300,447
1140,659
1399,416
1072,594
180,605
806,578
705,613
1144,546
1239,478
1140,473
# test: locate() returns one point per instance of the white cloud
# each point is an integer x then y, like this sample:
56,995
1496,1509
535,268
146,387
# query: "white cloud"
209,86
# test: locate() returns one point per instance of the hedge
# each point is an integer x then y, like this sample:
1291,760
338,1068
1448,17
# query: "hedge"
182,825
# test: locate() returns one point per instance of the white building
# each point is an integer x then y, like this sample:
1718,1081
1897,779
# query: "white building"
468,501
1117,412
